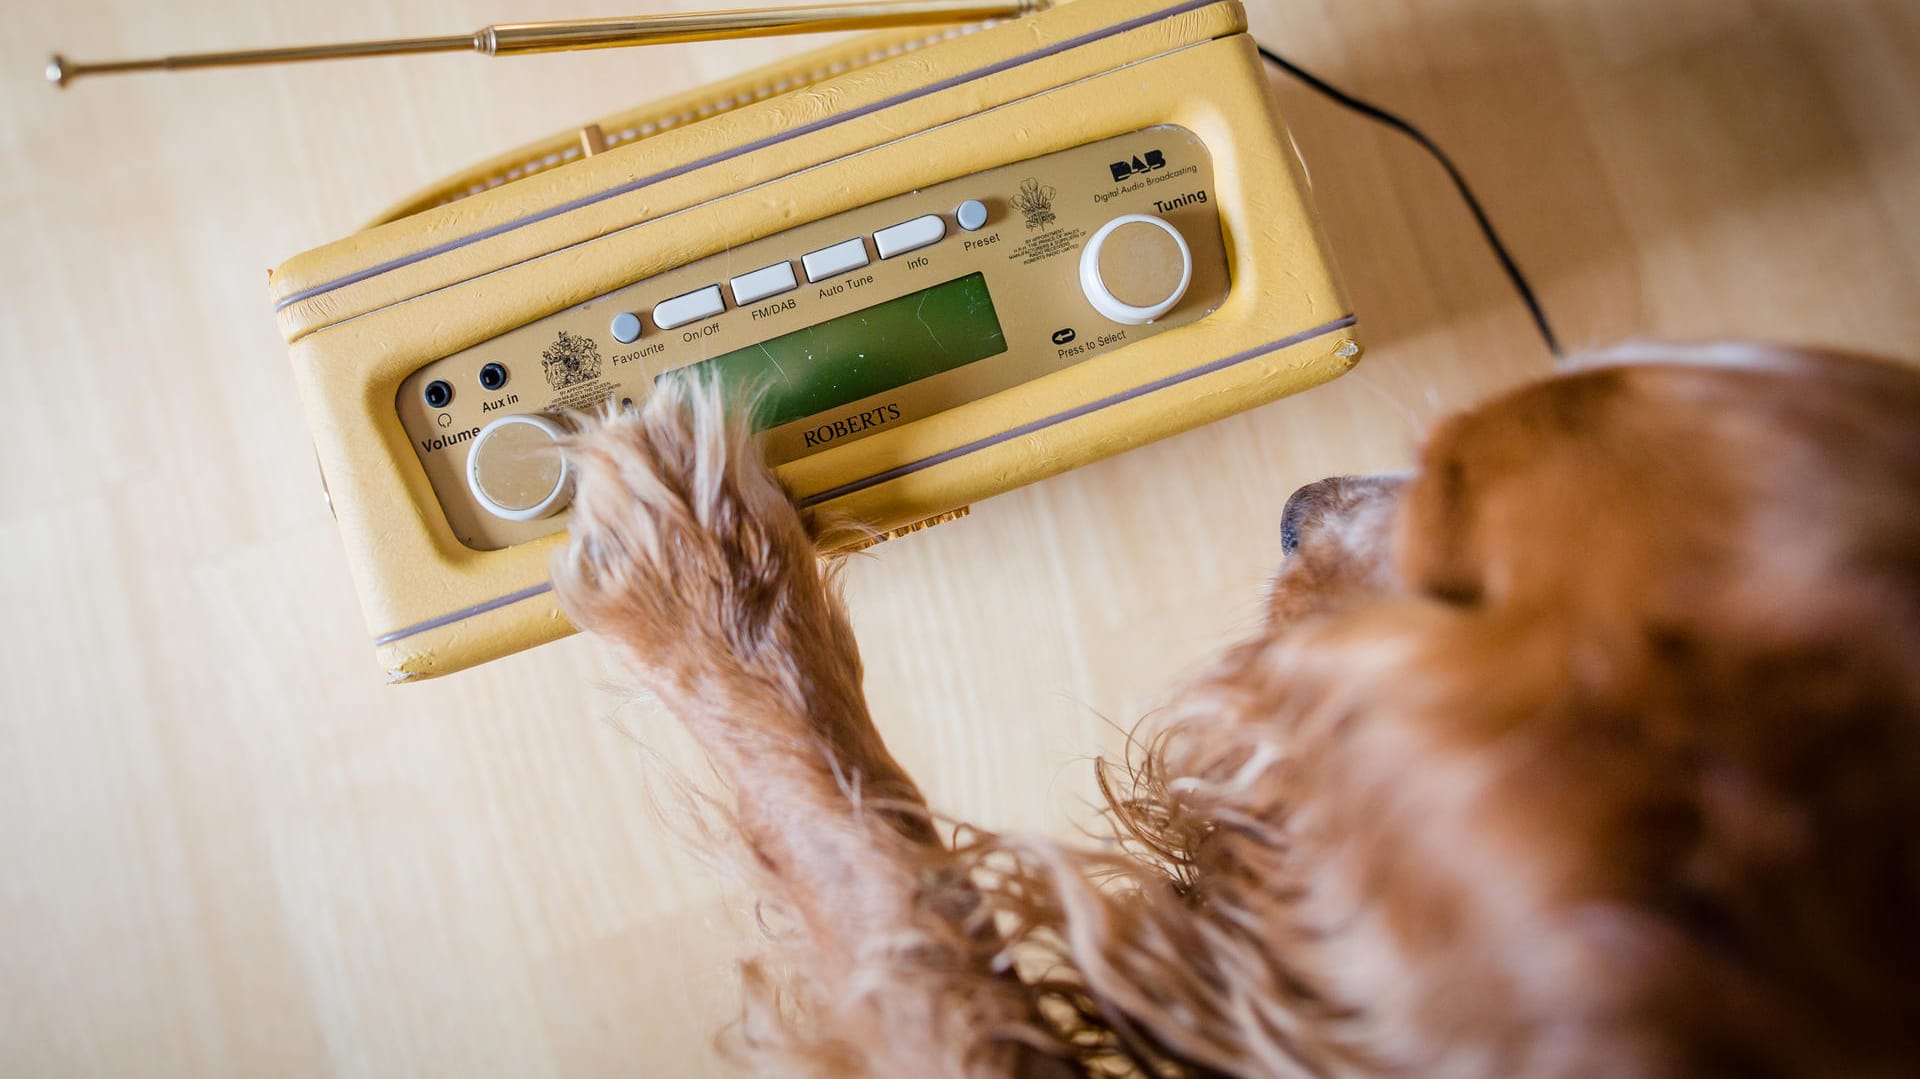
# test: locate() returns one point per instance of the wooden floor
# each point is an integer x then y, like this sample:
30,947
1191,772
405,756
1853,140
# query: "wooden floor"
227,849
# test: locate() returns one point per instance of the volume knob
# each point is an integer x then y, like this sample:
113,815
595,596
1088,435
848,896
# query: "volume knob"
515,468
1135,269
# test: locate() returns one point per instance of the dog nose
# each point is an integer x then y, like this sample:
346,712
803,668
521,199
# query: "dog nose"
1342,501
1299,508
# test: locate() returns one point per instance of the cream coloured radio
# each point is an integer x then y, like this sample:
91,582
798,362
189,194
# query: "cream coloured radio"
943,265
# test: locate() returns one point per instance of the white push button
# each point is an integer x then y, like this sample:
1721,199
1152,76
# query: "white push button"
972,215
841,257
626,327
1135,269
681,310
760,284
515,469
909,235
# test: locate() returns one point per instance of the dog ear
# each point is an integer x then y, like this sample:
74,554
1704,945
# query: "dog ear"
1532,493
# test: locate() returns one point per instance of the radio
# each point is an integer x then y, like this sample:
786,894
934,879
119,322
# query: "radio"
948,263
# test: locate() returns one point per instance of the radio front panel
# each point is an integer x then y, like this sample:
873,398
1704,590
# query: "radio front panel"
859,322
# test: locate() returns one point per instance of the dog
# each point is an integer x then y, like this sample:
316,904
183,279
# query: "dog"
1589,747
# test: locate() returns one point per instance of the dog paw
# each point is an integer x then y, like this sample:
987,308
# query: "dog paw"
685,548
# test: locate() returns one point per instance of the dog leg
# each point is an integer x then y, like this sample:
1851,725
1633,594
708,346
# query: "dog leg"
688,555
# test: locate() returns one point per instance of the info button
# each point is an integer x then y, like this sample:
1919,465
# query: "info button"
910,235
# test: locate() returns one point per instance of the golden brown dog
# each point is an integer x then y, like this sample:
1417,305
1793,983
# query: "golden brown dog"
1590,748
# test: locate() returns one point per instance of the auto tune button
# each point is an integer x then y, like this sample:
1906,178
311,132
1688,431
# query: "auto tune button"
841,257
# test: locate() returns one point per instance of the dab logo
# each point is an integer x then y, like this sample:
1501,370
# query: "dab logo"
570,360
1035,203
1153,162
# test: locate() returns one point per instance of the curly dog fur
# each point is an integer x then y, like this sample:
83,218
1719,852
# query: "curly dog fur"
1590,747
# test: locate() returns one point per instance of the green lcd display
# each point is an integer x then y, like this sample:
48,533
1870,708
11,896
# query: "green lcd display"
870,351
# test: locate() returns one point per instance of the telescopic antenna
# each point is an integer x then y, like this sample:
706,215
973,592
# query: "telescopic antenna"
513,38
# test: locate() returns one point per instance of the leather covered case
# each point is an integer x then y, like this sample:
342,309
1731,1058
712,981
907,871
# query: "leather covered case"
547,228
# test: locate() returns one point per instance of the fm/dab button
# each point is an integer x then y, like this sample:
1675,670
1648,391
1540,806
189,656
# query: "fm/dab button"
515,468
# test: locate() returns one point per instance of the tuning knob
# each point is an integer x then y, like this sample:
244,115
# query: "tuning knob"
515,468
1135,269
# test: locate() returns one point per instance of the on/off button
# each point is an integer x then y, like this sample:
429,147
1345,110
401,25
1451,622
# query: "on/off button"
699,304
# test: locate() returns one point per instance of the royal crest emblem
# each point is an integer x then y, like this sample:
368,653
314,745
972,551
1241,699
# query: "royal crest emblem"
570,360
1035,203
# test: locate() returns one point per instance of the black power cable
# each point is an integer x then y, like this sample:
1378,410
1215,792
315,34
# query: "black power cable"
1375,112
